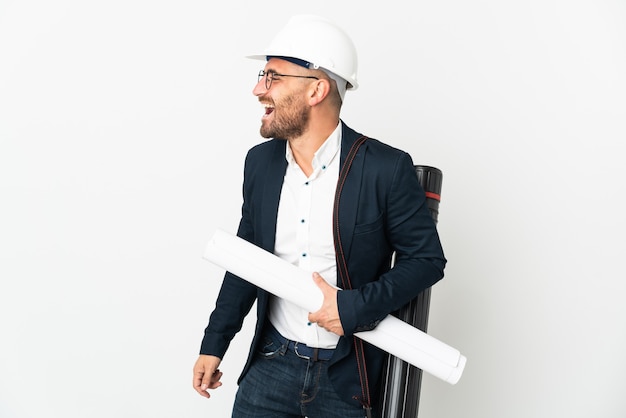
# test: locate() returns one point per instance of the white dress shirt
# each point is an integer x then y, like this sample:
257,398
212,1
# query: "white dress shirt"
304,236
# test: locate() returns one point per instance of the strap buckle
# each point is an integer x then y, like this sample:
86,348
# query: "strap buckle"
315,356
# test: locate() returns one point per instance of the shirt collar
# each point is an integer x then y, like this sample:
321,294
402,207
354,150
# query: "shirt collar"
326,153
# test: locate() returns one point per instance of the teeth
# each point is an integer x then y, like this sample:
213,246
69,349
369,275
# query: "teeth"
268,109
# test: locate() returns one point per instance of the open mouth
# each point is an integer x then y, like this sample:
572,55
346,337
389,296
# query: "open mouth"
268,110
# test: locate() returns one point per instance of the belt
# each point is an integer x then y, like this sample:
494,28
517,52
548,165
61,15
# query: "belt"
302,350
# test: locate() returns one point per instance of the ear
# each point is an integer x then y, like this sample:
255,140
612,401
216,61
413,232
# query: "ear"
318,91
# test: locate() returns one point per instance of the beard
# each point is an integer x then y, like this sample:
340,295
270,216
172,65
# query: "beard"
289,119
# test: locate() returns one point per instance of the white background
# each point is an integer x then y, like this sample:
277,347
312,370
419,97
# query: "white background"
123,128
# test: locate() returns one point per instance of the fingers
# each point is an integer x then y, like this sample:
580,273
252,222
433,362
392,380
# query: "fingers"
212,380
314,318
319,281
197,383
327,316
206,375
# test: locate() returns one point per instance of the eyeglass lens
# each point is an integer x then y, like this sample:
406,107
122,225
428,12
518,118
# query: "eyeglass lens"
268,78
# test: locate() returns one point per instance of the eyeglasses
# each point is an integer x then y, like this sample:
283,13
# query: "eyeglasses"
271,75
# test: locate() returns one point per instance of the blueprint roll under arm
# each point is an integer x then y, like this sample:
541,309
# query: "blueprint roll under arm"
289,282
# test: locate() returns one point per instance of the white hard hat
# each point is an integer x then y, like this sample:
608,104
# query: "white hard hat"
320,43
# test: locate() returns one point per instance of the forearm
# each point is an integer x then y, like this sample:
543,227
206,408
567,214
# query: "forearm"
233,303
363,308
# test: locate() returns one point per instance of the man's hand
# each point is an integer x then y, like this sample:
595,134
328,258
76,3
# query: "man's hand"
206,374
327,316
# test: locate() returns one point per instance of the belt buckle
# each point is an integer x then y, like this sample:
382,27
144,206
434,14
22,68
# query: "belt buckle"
315,353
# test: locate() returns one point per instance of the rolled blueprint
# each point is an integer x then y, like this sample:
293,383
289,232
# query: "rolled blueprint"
296,285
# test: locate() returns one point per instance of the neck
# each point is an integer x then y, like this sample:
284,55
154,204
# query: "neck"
305,146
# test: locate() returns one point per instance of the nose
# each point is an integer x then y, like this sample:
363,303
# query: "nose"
259,88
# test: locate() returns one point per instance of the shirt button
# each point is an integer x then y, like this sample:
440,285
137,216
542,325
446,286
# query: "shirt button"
302,221
306,184
303,254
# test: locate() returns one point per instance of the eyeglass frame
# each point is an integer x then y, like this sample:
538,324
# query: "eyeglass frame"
269,77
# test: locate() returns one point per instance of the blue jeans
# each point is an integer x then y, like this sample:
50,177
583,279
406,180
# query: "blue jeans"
280,384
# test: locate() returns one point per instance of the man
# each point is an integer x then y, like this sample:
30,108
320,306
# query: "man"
314,198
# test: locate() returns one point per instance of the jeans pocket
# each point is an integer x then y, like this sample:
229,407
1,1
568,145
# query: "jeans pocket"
270,348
